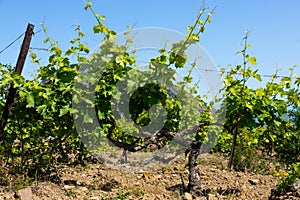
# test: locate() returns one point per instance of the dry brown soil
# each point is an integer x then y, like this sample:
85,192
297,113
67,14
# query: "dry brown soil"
97,181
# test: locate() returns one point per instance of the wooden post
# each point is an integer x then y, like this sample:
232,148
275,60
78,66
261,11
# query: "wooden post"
19,67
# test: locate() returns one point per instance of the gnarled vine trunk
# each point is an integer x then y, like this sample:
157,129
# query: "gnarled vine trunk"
194,173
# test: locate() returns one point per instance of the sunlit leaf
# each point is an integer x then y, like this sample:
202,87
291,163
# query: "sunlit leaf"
252,60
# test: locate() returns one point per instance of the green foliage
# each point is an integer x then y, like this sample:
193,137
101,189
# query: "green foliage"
286,182
117,66
267,117
249,157
41,131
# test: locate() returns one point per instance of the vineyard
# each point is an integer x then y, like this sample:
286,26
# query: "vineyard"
67,123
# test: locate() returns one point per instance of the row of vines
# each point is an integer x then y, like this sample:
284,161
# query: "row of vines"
259,122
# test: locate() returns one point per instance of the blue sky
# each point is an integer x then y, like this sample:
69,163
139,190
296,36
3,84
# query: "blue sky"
274,25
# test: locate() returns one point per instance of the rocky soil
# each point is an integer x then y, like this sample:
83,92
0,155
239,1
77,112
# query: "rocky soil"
97,181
